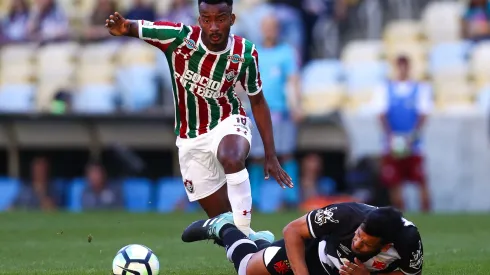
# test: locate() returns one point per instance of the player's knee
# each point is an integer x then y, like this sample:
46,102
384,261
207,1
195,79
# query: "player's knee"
232,160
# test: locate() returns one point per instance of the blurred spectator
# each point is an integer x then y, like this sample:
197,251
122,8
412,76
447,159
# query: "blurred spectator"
311,170
141,9
181,11
322,30
100,193
47,22
61,103
403,105
476,21
95,29
38,193
279,71
13,27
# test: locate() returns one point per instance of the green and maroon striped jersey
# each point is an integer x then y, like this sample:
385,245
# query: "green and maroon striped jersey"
203,81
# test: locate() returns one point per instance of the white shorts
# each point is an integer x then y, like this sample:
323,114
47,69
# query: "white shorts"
202,173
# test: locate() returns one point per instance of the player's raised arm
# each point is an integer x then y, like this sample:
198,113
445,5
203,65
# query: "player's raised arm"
120,26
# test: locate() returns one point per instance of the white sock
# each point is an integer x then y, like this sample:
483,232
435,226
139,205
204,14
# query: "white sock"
240,196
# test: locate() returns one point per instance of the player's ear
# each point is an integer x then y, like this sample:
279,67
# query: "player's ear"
233,18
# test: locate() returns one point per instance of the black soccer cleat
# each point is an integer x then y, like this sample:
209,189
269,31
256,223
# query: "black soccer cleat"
207,229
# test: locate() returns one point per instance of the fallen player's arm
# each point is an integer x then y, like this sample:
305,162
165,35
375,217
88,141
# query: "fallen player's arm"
295,234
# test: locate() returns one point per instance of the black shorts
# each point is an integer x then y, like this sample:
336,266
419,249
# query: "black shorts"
276,259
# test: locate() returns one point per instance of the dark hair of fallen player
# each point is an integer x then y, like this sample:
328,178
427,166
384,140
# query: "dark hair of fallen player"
214,2
384,223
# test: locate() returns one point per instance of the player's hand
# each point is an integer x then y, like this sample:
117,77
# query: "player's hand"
273,167
117,24
355,268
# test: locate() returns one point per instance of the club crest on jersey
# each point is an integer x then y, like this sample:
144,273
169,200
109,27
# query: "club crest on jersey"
236,58
230,75
417,258
379,265
189,186
323,216
191,44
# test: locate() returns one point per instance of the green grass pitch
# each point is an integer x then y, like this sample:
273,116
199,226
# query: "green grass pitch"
37,243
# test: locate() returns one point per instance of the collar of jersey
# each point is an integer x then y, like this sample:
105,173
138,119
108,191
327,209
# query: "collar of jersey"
228,47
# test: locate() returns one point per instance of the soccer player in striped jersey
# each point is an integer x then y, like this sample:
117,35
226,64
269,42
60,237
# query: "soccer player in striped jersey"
212,128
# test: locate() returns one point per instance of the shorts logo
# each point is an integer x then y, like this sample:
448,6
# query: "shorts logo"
323,216
230,75
189,186
236,58
282,267
191,44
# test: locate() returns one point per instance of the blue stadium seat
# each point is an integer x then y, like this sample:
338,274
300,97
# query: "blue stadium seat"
271,196
366,74
170,192
9,189
17,98
448,54
322,72
95,99
74,195
138,86
137,194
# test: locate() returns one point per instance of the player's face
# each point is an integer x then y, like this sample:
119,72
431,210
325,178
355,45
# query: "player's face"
403,70
364,244
216,21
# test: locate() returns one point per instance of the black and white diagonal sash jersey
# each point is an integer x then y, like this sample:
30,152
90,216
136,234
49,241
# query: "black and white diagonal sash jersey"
333,229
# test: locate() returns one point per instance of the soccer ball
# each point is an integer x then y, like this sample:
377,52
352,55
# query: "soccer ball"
135,259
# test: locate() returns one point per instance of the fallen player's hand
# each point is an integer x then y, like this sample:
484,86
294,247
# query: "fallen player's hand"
117,24
273,167
356,268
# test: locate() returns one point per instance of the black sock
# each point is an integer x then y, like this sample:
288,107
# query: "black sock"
230,236
261,244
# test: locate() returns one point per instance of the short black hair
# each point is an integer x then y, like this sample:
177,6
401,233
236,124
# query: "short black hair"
214,2
403,59
384,223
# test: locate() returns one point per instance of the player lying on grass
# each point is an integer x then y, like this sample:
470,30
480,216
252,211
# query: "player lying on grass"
213,131
344,238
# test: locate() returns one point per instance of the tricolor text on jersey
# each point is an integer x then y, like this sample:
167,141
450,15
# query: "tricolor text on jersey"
200,85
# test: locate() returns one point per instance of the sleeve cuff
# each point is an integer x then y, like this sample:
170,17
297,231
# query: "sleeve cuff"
256,92
310,228
140,29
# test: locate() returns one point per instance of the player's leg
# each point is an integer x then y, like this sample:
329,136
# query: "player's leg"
231,146
240,250
216,203
391,178
417,175
232,154
201,184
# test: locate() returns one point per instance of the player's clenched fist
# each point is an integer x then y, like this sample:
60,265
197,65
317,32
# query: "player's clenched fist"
117,24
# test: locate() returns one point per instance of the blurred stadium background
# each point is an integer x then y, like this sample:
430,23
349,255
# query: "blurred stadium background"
86,124
86,120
